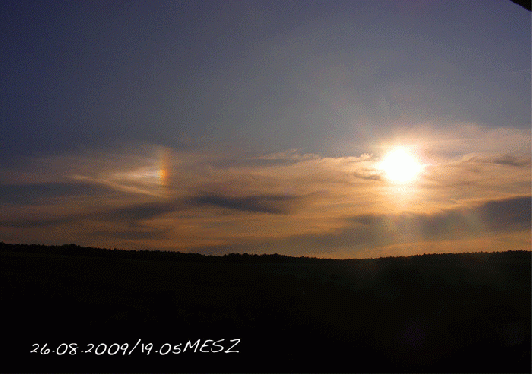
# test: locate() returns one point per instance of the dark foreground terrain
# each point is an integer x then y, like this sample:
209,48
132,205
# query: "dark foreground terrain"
102,310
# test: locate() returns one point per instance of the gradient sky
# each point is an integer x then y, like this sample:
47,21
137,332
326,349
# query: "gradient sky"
259,126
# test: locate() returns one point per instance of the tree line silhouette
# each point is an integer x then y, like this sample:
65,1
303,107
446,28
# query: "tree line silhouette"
158,255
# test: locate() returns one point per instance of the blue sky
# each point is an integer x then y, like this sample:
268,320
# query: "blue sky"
255,126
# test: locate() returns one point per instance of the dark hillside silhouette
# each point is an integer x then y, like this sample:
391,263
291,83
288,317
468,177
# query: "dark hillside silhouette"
435,313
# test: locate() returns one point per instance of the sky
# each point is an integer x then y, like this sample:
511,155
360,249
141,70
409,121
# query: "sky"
264,126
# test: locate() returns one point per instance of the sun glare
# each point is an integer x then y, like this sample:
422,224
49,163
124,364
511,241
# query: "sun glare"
400,166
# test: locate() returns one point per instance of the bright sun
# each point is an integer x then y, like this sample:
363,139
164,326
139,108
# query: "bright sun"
400,166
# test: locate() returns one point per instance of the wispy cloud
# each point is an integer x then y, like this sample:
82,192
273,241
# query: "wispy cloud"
156,197
367,235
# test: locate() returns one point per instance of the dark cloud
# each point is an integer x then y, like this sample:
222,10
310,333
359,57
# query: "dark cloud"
501,215
273,204
507,214
127,223
507,159
364,231
446,225
130,216
137,212
512,161
37,222
367,176
256,162
37,193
